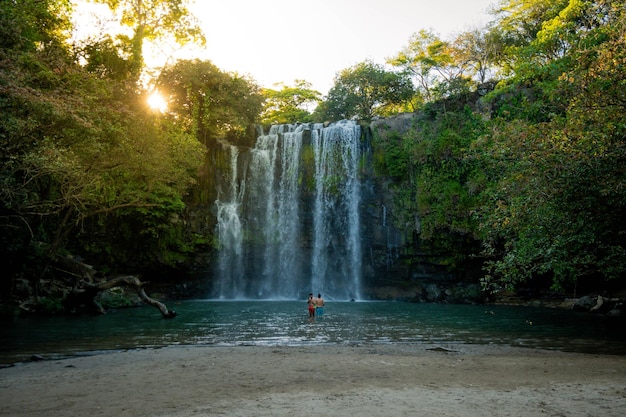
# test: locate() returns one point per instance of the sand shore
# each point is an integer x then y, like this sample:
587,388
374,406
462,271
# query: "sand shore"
390,380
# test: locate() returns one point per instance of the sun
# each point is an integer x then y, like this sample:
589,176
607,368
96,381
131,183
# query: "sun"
157,102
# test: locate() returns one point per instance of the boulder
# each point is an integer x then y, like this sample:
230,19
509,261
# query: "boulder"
585,303
432,293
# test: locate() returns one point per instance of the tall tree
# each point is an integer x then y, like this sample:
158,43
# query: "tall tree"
290,104
76,149
25,23
440,68
364,91
559,192
415,60
209,103
475,51
518,23
151,20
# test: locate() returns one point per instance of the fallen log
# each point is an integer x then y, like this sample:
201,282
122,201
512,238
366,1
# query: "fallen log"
133,282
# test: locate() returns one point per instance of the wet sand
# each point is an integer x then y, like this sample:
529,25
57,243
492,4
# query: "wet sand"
363,380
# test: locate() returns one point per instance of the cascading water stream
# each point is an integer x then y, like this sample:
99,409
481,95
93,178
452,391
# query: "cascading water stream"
337,246
292,225
230,234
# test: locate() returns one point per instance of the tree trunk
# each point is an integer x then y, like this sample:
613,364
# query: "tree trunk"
137,284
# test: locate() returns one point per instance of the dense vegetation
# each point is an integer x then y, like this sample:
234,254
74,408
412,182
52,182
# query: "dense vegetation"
516,160
89,171
533,181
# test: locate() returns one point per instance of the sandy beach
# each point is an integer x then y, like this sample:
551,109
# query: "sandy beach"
362,380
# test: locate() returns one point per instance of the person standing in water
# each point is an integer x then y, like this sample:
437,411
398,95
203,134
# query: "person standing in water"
319,306
311,303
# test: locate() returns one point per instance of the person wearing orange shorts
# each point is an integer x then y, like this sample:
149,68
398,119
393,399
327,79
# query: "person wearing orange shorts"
311,303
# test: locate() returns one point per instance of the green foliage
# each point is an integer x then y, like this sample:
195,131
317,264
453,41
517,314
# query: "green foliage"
437,181
210,104
445,193
79,147
442,69
364,91
152,20
416,60
290,104
116,297
535,182
539,183
106,58
395,159
28,23
50,306
555,201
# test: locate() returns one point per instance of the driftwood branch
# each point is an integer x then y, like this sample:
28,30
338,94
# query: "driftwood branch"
137,284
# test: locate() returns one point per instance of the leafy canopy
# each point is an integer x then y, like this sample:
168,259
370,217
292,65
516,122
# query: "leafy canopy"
290,104
154,20
209,103
364,91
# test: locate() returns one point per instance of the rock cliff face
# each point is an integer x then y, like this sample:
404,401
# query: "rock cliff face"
394,264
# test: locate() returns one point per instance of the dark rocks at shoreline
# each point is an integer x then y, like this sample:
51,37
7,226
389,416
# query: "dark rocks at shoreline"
598,304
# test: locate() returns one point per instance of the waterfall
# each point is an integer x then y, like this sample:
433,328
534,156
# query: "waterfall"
289,224
229,232
337,244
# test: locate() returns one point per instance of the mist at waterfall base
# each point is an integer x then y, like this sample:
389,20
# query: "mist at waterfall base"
288,215
205,323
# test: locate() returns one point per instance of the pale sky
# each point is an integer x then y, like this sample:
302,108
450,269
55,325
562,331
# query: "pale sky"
283,40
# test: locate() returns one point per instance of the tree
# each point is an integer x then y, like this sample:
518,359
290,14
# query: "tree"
155,19
107,57
25,23
364,91
440,68
77,150
209,103
289,104
475,52
555,206
415,60
518,23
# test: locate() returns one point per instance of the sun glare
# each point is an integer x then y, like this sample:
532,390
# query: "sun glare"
157,102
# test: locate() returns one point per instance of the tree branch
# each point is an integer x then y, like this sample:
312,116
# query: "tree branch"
134,282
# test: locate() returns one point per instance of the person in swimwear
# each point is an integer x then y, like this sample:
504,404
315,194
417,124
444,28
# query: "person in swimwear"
319,305
311,303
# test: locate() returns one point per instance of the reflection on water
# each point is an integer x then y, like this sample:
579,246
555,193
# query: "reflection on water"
286,323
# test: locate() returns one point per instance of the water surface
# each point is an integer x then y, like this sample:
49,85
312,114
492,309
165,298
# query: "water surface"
286,323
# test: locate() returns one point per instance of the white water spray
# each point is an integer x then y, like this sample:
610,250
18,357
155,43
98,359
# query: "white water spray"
337,245
229,230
